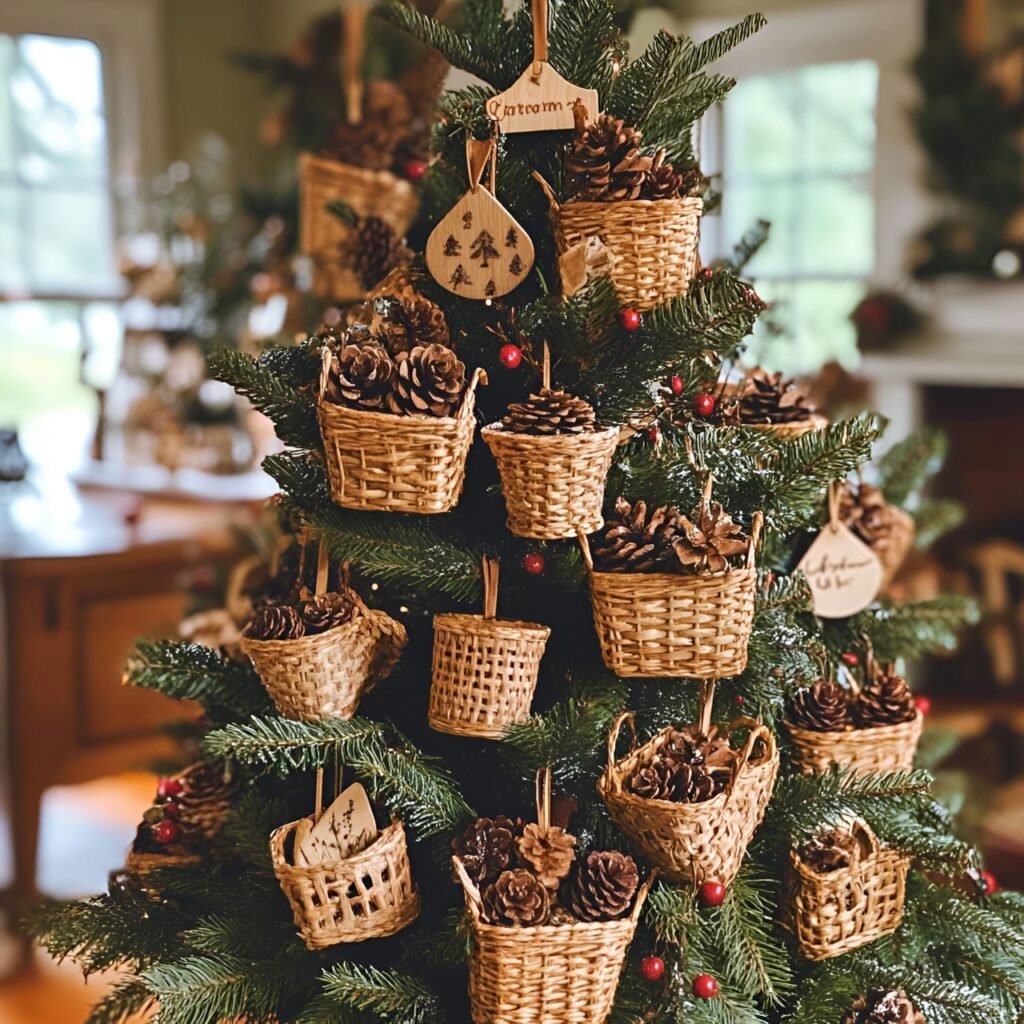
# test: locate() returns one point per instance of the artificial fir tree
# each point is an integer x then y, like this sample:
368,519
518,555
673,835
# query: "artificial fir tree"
217,942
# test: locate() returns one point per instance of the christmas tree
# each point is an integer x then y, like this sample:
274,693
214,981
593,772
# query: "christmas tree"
767,852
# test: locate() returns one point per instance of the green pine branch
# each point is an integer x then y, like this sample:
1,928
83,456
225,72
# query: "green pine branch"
388,995
125,1000
908,465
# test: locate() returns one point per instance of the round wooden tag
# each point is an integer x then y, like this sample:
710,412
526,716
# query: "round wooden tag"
843,572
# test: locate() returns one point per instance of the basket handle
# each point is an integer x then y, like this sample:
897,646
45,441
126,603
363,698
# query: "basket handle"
491,570
866,841
759,732
549,192
469,889
588,558
626,718
479,377
755,537
641,896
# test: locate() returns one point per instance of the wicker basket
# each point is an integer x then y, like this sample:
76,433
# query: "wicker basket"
142,865
326,675
385,463
548,974
652,242
484,668
553,485
205,809
885,748
695,842
835,912
665,624
366,896
322,235
791,431
893,550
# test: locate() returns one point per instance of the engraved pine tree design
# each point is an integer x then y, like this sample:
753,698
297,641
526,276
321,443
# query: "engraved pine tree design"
515,265
483,248
491,288
512,239
460,277
467,220
452,246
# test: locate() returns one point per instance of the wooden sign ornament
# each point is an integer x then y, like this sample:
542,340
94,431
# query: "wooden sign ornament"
540,100
843,572
479,250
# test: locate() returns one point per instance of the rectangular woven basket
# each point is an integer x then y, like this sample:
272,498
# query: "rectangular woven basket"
838,911
886,748
380,462
549,974
367,896
692,842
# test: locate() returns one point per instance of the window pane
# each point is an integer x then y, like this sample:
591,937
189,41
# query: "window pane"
12,275
745,204
761,126
8,57
839,104
837,225
72,247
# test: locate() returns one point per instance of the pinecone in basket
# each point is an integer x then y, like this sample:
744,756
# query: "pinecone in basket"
361,376
767,398
486,848
372,142
884,1008
886,701
637,540
372,250
517,897
706,545
412,321
205,798
274,622
865,511
828,850
429,380
604,163
550,412
822,707
655,780
705,765
665,182
548,852
327,611
602,887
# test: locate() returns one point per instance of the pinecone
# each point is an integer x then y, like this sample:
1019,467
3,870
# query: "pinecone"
413,321
372,142
550,412
704,765
602,887
706,545
828,850
604,163
865,511
429,380
486,848
884,1008
767,398
655,780
821,707
372,251
361,376
886,701
516,898
327,611
664,182
635,540
205,799
548,852
274,622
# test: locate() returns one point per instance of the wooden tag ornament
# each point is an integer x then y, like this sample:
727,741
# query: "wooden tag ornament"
479,250
346,828
844,574
540,100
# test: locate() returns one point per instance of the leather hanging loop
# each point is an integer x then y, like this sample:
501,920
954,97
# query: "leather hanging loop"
539,11
478,154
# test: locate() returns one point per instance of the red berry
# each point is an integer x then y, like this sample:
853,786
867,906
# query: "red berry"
704,404
652,968
989,880
712,894
172,810
654,434
415,169
706,273
511,356
168,788
705,986
740,701
751,297
923,704
165,832
534,563
630,320
850,658
677,385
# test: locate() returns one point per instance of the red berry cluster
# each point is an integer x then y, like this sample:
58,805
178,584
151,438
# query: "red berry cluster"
162,819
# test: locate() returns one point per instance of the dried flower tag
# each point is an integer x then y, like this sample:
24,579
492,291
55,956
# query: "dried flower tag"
843,572
346,828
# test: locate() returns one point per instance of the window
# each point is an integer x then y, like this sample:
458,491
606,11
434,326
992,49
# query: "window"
58,325
799,151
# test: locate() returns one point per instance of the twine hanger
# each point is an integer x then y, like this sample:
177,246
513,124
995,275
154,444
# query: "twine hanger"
833,505
353,46
539,11
546,368
543,787
491,570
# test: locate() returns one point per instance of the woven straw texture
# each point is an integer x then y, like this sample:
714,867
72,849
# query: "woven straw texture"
324,676
141,865
367,896
893,549
321,234
664,624
484,673
553,485
652,242
791,431
886,748
693,842
838,911
550,974
385,463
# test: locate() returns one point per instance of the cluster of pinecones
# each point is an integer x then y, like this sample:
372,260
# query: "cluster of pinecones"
387,119
864,510
661,539
828,850
892,1007
765,397
689,768
828,707
605,164
404,367
372,250
530,875
551,412
306,617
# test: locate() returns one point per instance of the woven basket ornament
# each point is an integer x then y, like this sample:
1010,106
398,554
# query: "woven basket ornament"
327,674
882,749
652,242
380,462
667,624
831,913
692,842
791,431
484,668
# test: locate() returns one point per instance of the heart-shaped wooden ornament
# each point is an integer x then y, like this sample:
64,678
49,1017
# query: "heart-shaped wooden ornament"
843,572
